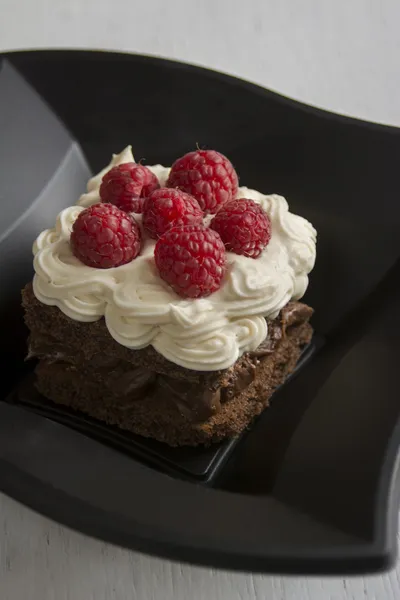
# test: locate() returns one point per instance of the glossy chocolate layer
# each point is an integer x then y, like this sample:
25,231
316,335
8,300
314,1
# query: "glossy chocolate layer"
81,366
197,402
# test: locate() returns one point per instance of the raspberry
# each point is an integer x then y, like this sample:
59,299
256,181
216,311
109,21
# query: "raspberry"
127,186
191,259
244,227
167,208
208,176
103,236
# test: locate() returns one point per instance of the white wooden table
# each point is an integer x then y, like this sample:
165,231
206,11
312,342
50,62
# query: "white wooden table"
340,55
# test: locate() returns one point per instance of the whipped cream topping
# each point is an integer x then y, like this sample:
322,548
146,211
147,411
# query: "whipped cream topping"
140,309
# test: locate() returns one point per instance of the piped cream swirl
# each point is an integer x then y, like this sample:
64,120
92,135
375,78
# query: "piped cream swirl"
140,309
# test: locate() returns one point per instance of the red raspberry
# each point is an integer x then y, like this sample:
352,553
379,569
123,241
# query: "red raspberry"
208,176
103,236
244,227
167,208
127,186
191,259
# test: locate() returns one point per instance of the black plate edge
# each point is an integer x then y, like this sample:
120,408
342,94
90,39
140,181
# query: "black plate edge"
384,529
103,518
233,79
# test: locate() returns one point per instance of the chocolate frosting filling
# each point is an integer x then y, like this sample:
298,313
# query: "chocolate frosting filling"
127,383
200,405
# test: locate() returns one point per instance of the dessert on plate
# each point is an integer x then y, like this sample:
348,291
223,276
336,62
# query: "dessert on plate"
166,301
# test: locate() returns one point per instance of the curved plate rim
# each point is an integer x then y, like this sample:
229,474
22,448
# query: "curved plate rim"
354,556
229,78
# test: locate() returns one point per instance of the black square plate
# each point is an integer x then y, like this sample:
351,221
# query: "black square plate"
312,487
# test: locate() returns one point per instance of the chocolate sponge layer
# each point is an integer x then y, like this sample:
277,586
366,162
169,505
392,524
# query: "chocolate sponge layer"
81,366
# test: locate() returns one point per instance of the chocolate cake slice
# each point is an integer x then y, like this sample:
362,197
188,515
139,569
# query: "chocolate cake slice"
82,367
165,301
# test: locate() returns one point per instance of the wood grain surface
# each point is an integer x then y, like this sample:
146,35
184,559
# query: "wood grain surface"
41,560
